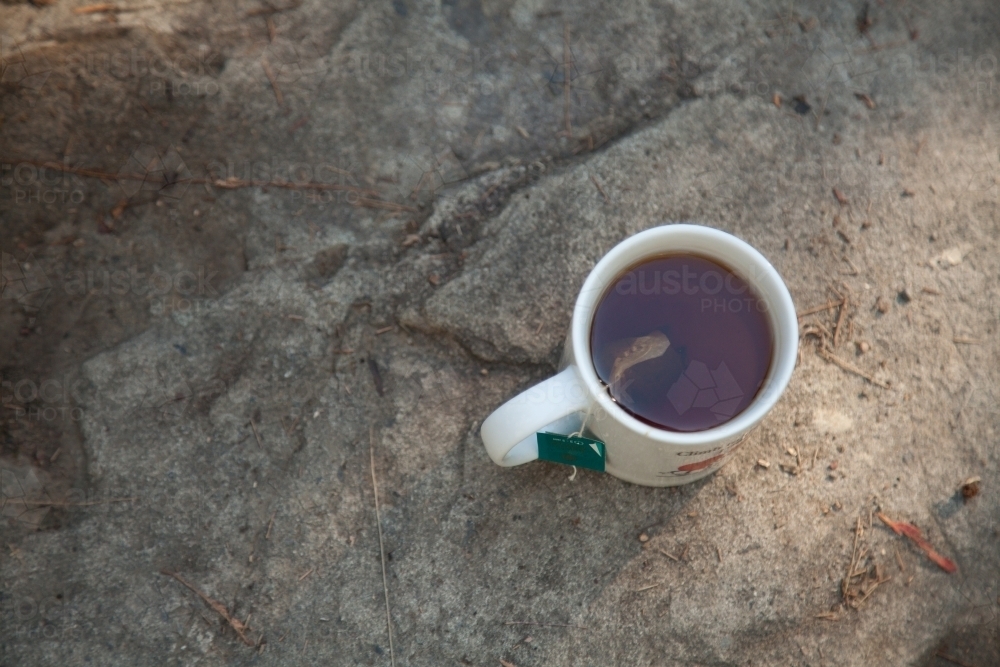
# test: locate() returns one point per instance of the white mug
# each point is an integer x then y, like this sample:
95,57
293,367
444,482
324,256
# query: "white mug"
575,401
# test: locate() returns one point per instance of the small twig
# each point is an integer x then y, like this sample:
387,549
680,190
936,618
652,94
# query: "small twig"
96,9
822,110
567,60
819,309
868,101
875,584
290,429
840,321
646,588
231,183
965,340
829,356
376,376
274,82
955,661
310,571
264,11
235,183
381,546
56,503
385,205
854,556
255,434
270,524
670,556
216,606
601,190
546,625
489,191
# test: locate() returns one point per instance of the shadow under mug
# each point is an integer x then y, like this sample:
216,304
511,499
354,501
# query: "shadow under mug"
576,401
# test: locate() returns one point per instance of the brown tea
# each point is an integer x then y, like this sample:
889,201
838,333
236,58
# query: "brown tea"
682,342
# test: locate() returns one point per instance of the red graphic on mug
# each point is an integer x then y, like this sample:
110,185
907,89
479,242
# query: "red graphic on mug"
700,465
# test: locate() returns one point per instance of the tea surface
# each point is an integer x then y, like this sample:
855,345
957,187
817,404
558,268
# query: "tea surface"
682,342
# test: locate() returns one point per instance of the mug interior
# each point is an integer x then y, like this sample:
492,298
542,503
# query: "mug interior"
729,251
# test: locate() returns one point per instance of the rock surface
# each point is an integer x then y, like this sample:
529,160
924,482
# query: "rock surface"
226,428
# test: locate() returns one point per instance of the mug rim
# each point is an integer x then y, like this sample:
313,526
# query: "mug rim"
769,285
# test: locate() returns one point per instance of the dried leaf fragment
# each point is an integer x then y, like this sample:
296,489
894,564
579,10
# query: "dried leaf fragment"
869,102
912,532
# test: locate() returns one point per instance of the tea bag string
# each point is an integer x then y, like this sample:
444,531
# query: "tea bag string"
583,424
642,349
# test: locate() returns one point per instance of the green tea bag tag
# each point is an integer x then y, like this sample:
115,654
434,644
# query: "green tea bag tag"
571,451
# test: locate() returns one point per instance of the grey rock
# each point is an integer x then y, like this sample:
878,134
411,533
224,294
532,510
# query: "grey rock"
233,441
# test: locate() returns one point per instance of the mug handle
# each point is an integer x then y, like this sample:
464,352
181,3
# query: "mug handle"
509,433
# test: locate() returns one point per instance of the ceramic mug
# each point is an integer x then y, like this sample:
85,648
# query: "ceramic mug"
576,402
